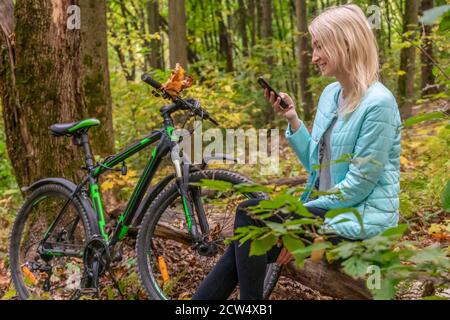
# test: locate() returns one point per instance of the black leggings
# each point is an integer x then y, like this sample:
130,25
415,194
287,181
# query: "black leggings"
237,266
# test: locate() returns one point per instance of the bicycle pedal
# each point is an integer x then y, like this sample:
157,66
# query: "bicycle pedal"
89,291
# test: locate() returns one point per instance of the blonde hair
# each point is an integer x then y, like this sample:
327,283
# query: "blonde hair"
345,36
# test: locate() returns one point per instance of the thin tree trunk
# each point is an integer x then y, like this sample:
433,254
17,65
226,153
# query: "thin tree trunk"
154,28
177,33
225,48
47,69
95,73
267,30
304,58
408,58
428,80
243,27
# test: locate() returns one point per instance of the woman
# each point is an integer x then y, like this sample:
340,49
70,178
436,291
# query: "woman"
356,115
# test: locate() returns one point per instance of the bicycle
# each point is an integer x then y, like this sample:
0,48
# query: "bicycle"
60,244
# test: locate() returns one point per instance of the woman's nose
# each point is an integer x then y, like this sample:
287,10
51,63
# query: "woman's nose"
315,58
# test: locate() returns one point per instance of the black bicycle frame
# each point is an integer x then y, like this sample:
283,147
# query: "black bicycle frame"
167,141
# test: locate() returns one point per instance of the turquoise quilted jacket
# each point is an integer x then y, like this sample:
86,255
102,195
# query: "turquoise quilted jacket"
369,180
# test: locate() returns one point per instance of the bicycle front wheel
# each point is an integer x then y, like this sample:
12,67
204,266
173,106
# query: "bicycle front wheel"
169,267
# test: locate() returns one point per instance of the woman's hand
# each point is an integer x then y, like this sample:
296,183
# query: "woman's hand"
289,113
284,257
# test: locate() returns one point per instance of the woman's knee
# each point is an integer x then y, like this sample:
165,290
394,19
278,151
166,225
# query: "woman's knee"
243,218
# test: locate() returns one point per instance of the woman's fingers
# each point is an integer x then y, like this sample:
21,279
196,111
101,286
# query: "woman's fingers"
284,257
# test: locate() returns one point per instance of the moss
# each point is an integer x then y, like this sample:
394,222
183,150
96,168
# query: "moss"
94,89
87,61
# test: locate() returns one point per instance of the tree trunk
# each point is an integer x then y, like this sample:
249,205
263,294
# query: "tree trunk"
95,74
266,27
426,55
225,48
47,90
154,27
322,276
328,280
243,27
304,58
177,33
408,58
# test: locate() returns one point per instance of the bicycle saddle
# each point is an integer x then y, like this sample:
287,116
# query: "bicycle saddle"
62,129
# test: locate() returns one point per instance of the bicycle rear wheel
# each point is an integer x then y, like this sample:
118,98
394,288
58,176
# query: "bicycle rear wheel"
50,269
168,267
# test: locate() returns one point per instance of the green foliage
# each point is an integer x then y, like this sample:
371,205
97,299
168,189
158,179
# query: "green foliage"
396,260
424,117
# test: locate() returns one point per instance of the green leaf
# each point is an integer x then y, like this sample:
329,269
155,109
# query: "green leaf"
387,290
262,245
314,247
446,197
423,117
356,267
292,243
335,212
430,16
277,227
345,249
395,231
215,184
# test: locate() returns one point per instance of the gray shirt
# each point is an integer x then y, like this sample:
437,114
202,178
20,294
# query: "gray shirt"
325,182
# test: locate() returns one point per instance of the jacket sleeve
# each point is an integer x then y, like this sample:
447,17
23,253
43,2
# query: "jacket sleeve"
300,141
370,156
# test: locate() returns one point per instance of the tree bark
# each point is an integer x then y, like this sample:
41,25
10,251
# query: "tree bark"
243,27
95,74
408,58
154,27
427,81
266,28
177,33
48,72
328,280
304,58
225,48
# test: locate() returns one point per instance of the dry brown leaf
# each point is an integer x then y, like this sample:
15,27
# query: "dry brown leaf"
317,255
178,81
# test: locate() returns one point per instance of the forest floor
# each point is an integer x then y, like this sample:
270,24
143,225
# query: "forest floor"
424,170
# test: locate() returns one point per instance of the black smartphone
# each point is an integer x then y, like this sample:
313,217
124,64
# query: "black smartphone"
266,85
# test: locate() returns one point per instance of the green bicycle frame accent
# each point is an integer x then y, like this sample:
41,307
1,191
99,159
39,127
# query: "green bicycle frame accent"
98,208
126,218
186,212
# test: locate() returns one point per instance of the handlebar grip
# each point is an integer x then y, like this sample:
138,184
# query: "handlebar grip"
149,80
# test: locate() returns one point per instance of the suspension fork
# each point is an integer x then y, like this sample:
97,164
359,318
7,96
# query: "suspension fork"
182,180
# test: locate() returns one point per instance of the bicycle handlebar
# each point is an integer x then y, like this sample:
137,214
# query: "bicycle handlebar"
149,80
193,107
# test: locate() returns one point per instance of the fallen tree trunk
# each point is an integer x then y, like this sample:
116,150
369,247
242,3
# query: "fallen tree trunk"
286,181
323,277
328,280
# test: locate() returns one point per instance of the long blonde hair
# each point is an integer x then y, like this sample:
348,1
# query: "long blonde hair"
345,36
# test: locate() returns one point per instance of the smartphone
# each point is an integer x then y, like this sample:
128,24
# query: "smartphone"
266,85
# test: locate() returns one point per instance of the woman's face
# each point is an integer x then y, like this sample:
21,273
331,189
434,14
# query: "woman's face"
327,66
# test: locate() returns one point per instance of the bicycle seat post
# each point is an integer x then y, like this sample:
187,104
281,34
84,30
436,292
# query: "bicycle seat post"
84,141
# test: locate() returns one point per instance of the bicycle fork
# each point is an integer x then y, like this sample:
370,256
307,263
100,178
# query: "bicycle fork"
198,231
